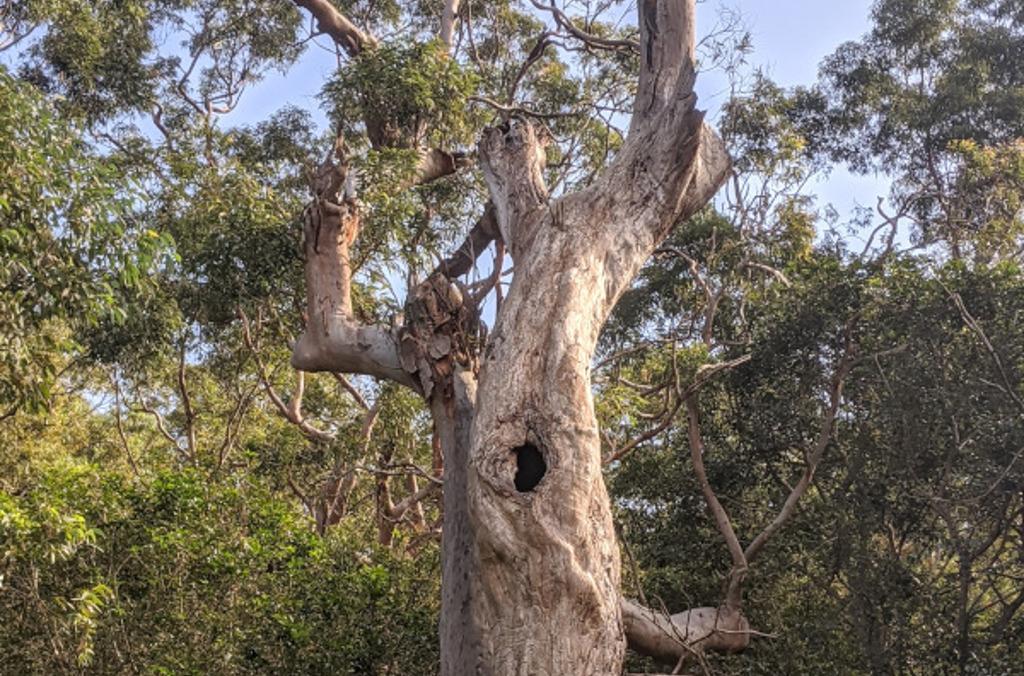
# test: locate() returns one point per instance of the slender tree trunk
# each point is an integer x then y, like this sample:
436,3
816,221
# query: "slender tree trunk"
963,621
460,635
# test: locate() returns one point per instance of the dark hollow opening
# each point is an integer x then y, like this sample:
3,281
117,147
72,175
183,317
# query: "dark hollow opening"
530,467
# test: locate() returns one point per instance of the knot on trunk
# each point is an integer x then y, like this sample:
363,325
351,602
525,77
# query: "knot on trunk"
441,330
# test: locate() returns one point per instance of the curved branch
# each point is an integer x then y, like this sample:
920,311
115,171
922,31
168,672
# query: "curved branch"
722,521
483,232
335,24
595,41
434,163
812,461
291,411
333,340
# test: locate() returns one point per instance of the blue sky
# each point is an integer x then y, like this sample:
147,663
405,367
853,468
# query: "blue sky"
790,39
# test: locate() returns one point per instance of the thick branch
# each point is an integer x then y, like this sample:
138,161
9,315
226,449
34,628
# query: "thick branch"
671,639
435,163
483,232
668,41
448,15
333,341
332,22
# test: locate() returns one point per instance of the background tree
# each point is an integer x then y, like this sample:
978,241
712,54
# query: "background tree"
807,421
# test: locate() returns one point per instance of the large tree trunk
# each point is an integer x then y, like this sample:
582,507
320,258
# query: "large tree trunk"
548,565
545,595
531,565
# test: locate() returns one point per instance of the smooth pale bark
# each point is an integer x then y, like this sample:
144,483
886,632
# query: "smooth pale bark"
698,629
333,340
546,595
548,566
448,16
335,24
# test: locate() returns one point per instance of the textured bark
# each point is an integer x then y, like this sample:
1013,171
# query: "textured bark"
333,341
459,634
531,567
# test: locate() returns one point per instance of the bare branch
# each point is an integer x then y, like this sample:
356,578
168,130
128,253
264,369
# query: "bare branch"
292,412
186,402
161,427
672,638
508,111
704,374
973,324
333,341
774,272
336,489
120,426
398,510
813,458
352,391
722,521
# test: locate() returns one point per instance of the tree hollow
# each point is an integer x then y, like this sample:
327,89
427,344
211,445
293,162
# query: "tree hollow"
530,467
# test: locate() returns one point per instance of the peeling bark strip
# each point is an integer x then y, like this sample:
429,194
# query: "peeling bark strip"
442,334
